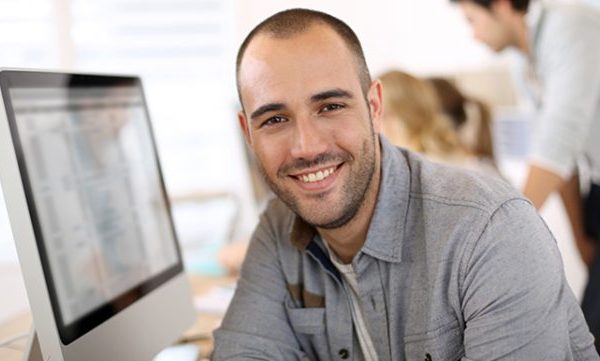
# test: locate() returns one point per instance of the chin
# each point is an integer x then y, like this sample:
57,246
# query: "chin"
497,47
327,220
317,219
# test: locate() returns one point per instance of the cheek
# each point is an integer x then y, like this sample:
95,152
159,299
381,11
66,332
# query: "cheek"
479,28
351,138
478,24
487,29
270,156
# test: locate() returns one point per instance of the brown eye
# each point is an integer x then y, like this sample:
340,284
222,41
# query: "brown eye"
331,107
273,121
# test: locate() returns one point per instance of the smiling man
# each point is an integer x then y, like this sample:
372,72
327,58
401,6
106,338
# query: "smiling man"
370,252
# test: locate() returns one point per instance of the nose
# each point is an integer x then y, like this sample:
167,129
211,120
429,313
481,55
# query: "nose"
308,139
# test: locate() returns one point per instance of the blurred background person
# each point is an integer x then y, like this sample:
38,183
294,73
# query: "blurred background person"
471,118
414,119
560,42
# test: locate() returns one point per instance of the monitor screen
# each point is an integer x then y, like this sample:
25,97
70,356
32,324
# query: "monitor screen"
94,190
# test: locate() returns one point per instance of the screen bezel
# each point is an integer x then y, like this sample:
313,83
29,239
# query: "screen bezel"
10,79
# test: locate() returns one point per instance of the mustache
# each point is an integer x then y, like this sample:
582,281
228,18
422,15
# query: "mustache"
297,165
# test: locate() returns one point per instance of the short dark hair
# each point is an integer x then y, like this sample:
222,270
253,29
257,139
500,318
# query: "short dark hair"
519,5
287,23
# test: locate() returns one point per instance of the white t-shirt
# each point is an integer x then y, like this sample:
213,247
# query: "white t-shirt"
360,327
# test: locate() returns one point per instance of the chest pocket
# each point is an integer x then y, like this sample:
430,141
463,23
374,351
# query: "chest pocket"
305,310
307,320
309,326
442,344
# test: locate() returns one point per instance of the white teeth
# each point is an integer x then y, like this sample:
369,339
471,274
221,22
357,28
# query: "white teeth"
315,177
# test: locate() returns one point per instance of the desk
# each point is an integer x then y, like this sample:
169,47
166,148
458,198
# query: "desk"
205,323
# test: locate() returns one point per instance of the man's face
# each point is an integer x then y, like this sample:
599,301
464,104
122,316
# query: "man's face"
488,25
309,124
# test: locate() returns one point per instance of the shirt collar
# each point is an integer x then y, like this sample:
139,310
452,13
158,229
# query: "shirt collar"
386,231
302,233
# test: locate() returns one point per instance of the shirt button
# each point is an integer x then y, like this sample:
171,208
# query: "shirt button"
343,353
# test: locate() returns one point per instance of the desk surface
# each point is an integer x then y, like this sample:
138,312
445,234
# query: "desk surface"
205,323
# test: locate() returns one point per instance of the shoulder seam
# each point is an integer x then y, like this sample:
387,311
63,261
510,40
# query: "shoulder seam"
489,209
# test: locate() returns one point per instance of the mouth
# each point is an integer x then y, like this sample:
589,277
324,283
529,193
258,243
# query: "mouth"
317,179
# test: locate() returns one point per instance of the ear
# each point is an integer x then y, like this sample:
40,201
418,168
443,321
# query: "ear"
245,127
375,100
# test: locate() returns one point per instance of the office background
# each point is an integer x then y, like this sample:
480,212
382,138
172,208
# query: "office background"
184,51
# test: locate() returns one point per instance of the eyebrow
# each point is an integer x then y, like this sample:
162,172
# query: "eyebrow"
333,93
271,107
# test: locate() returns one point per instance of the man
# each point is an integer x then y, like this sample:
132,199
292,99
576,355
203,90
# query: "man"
561,44
371,252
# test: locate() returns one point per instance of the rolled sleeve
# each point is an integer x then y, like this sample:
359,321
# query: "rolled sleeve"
567,56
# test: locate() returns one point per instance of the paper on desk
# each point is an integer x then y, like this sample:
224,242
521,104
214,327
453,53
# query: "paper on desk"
178,353
215,301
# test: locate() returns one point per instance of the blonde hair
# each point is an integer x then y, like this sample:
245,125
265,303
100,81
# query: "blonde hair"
413,104
474,127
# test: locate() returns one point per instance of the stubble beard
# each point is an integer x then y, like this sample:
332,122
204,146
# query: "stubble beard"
353,191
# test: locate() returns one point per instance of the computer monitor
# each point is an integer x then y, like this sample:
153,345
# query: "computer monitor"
90,217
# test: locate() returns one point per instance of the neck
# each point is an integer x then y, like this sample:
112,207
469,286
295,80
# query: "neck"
347,241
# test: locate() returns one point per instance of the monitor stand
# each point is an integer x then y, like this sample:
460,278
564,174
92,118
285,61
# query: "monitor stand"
32,349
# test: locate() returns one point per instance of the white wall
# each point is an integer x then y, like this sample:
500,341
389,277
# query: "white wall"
425,36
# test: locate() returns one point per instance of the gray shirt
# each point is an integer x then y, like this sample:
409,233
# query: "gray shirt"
454,267
565,81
